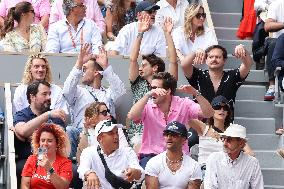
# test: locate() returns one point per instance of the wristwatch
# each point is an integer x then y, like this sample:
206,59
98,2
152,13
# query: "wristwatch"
51,171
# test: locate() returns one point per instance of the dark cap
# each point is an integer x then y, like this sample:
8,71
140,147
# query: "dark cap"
218,100
176,127
145,6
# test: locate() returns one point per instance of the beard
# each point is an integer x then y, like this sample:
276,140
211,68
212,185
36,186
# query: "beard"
46,106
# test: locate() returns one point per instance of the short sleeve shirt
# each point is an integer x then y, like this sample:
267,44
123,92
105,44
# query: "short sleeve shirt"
139,88
157,167
230,83
23,149
40,179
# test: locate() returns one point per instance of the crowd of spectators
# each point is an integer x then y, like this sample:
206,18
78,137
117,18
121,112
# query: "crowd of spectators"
102,150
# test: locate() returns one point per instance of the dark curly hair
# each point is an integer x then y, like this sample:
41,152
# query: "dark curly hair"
169,82
155,60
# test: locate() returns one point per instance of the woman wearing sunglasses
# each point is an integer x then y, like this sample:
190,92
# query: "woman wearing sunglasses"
94,113
193,36
209,137
25,36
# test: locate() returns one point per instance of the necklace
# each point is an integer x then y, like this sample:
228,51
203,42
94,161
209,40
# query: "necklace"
174,165
72,38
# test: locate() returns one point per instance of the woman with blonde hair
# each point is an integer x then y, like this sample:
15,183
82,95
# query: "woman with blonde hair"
49,166
94,113
26,36
37,68
194,35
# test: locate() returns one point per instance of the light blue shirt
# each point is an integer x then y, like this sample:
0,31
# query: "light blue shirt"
59,39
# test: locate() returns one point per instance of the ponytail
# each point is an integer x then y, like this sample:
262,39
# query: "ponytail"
8,23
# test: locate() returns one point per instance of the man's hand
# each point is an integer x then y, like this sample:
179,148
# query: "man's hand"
102,59
93,181
199,56
157,92
132,174
168,25
144,23
58,113
85,55
240,52
187,89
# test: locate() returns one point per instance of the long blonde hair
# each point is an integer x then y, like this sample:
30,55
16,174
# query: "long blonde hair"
27,77
189,14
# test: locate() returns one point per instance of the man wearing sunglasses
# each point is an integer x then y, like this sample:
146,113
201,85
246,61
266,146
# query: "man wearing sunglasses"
232,168
163,108
215,81
172,168
153,39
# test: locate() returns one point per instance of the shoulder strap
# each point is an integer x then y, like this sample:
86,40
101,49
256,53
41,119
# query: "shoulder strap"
102,157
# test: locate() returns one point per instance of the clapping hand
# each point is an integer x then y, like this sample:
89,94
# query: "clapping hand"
168,25
187,89
144,23
85,55
199,56
240,52
101,58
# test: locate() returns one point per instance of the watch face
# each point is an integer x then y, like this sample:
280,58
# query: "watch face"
51,171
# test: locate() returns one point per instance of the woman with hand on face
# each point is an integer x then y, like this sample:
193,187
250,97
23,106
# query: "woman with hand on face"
26,36
94,113
53,170
194,36
209,134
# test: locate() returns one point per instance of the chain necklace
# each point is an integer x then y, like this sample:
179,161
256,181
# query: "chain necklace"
73,39
172,163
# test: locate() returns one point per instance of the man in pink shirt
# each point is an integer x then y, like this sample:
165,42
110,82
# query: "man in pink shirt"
164,107
41,8
93,12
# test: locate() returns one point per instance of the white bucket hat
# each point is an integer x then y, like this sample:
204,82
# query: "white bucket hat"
235,130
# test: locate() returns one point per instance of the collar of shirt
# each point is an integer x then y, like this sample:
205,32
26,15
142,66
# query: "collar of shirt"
91,89
233,162
80,25
115,153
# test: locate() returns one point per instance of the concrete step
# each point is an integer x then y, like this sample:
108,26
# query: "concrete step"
254,109
251,92
231,44
273,176
257,125
230,20
233,6
272,186
269,159
257,76
226,33
264,142
232,62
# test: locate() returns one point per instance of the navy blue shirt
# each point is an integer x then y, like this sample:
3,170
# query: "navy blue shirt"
278,53
23,149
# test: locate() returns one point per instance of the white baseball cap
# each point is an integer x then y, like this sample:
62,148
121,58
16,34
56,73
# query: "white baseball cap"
105,126
235,130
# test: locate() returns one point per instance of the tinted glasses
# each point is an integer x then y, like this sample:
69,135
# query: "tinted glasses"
105,112
228,139
219,107
199,15
172,134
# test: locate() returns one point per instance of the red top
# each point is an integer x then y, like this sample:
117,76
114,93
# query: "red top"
39,177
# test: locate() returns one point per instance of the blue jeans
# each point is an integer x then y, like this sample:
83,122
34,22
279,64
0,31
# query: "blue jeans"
73,134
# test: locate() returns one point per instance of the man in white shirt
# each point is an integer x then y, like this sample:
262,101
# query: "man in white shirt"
173,168
171,8
67,35
153,40
91,70
232,168
122,162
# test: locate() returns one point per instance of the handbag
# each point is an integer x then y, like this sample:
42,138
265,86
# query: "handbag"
115,181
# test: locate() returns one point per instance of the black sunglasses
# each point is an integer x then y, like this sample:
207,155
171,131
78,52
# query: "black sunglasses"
199,15
151,11
172,134
228,139
105,112
219,107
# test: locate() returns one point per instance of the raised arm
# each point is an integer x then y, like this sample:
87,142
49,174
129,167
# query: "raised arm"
197,125
143,26
173,66
206,108
247,62
109,21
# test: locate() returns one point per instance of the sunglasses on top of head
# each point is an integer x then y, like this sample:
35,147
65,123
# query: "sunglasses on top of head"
199,15
219,107
105,112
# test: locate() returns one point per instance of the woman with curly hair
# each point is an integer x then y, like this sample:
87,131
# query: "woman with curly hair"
194,35
118,14
26,36
49,166
37,68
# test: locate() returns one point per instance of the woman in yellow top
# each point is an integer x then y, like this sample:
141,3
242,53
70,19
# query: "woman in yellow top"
24,36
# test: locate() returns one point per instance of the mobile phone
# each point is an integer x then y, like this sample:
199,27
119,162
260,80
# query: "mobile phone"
41,152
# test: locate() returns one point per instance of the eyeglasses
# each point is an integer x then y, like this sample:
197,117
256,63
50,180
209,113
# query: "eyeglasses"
219,107
151,11
105,112
32,11
228,139
199,15
81,5
172,134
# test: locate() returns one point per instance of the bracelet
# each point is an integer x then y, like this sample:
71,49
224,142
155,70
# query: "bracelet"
140,34
198,94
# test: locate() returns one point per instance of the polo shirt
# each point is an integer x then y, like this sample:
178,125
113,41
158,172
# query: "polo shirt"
230,83
181,110
23,148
